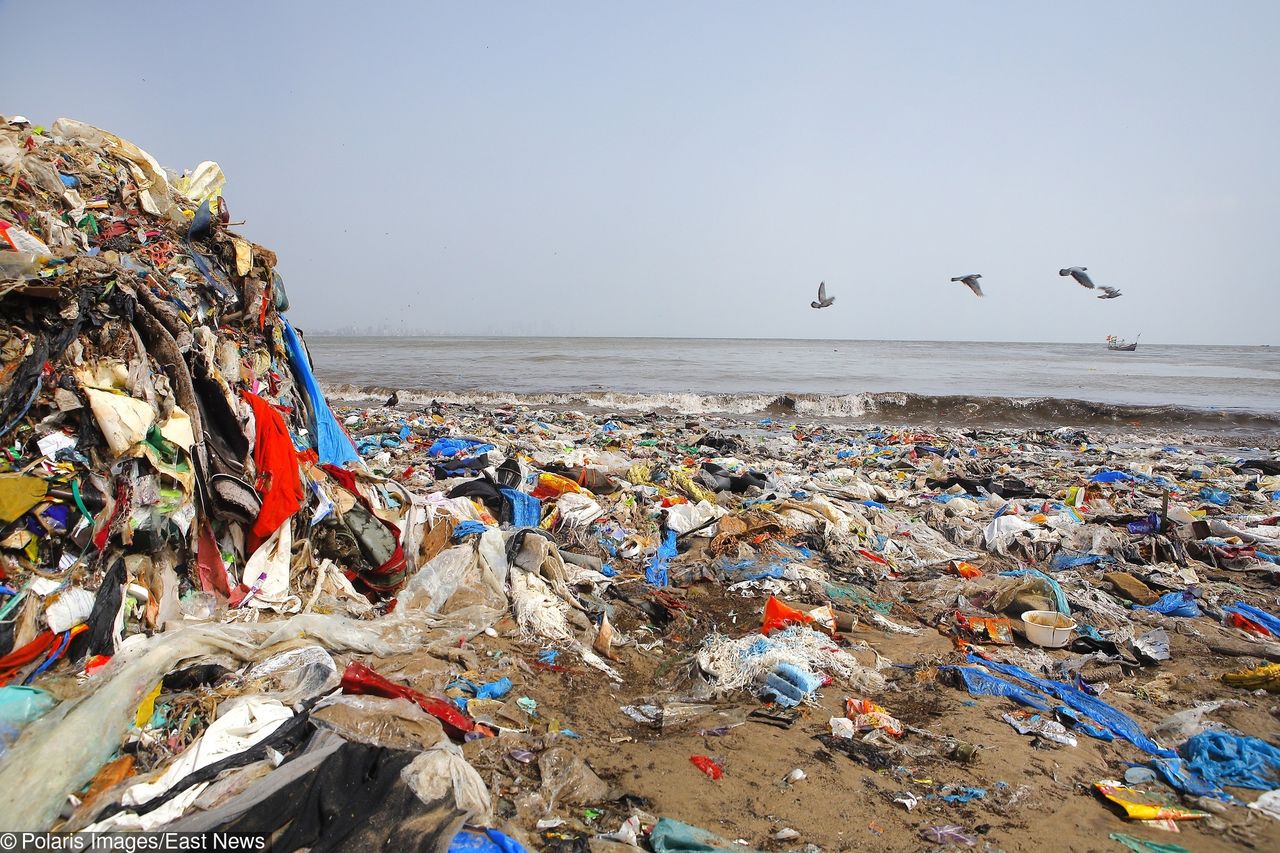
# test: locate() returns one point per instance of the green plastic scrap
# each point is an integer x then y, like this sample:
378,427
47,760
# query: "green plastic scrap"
857,596
674,836
1143,846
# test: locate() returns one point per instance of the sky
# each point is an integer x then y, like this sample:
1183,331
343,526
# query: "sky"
696,168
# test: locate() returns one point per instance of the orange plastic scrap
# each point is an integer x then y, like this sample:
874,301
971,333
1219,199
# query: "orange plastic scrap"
965,570
869,715
553,486
1141,805
989,629
778,616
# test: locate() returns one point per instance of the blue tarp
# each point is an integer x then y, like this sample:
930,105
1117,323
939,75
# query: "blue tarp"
982,683
331,442
1112,719
450,447
526,510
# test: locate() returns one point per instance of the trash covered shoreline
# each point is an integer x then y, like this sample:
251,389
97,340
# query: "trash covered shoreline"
230,603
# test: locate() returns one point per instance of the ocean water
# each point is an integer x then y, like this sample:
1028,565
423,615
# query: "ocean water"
885,381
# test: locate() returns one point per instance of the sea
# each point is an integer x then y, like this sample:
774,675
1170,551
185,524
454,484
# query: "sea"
1030,385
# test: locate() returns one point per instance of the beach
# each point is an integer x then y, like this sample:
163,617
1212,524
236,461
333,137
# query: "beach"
888,478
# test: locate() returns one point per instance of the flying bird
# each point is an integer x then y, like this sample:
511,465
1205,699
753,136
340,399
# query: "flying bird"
1080,275
1109,293
824,301
971,281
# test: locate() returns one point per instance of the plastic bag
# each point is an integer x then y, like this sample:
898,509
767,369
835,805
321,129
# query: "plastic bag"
484,840
442,769
1178,603
1141,805
377,720
19,707
359,679
778,616
566,778
436,582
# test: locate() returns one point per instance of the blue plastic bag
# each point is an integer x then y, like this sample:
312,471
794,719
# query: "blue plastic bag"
484,841
1212,760
1063,560
1216,497
656,573
494,689
21,705
1108,476
467,528
1177,603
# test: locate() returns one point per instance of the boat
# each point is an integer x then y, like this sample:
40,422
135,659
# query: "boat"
1120,344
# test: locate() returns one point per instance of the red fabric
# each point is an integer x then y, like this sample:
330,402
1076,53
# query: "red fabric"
11,663
278,480
212,571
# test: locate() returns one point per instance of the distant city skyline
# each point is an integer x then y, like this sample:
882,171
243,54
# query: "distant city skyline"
695,170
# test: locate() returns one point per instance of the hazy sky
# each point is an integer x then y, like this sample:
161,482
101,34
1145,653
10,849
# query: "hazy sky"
695,168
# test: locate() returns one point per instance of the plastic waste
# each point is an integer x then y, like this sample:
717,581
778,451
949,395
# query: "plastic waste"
484,840
708,766
1034,724
947,833
1181,604
359,679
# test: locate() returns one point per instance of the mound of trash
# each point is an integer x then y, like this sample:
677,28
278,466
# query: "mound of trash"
227,604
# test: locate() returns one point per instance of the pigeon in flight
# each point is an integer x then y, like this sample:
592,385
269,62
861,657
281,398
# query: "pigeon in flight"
1079,274
971,281
1109,293
824,301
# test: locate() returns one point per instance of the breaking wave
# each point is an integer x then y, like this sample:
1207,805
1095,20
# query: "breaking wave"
884,407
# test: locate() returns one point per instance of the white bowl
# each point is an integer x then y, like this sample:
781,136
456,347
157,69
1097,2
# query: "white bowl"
1048,628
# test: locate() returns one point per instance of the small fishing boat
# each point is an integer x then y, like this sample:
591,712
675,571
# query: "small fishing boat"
1120,344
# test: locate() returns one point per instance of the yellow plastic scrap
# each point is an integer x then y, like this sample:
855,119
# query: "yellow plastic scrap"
244,256
19,494
640,474
685,483
148,707
1266,677
1140,805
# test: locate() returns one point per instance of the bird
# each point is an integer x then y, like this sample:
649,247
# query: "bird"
824,301
393,400
1109,292
971,281
1080,275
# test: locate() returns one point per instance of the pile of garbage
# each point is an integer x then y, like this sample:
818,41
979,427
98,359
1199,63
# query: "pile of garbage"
227,604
